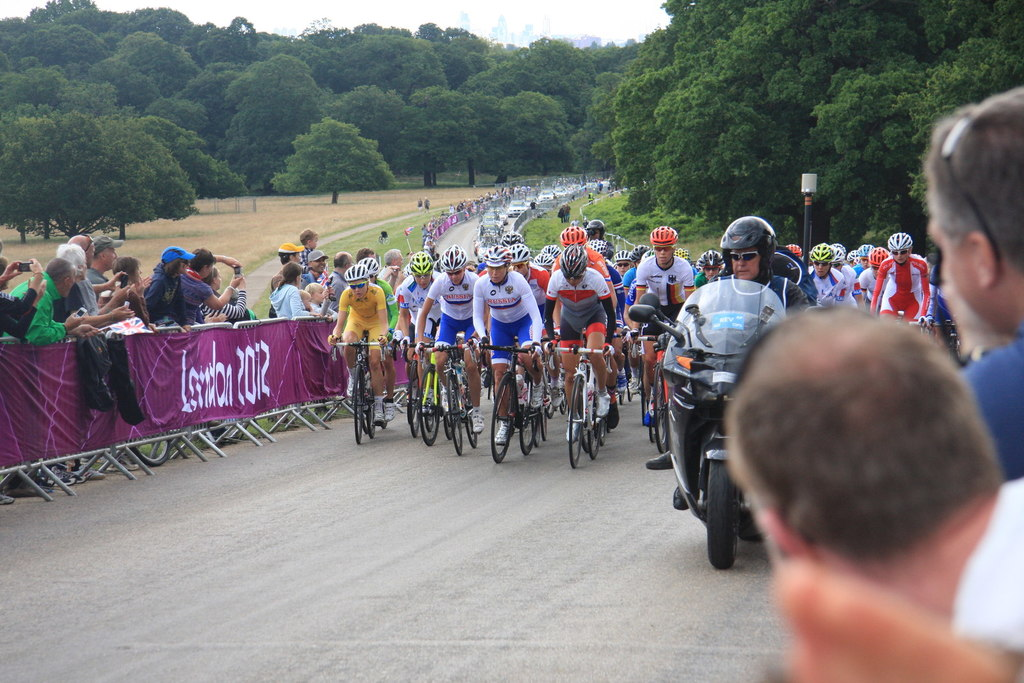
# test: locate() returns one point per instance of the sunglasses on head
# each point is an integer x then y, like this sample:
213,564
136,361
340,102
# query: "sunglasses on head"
745,256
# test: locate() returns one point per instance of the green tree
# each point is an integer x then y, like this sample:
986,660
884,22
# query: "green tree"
440,132
169,66
391,63
235,44
531,135
378,114
75,174
55,9
61,45
276,101
38,86
209,177
332,157
209,90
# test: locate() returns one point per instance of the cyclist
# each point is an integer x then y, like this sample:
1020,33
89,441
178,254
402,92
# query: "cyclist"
795,250
373,268
574,234
617,380
876,257
545,260
537,278
588,318
362,310
710,265
668,276
453,287
829,282
851,286
901,285
411,295
514,315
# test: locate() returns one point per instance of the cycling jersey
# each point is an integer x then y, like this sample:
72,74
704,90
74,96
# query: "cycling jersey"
670,284
594,260
620,294
538,282
456,300
853,291
901,287
867,283
582,304
513,309
411,297
389,298
832,289
629,278
362,313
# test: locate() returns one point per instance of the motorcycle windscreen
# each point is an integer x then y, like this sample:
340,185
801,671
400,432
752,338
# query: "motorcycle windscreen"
726,316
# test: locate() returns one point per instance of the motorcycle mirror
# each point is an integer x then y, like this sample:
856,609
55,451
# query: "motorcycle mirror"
642,313
650,299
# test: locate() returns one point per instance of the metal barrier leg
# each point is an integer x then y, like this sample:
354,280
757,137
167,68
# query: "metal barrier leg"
195,449
36,487
112,457
204,436
255,425
56,480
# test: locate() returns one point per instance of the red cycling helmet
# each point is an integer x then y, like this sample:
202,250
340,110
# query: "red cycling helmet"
877,256
574,234
795,250
664,236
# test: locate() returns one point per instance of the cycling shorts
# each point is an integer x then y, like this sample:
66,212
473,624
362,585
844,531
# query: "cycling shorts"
450,328
505,334
572,336
905,302
359,326
671,311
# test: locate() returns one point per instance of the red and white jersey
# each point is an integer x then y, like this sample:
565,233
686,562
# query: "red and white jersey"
538,280
894,279
594,260
579,302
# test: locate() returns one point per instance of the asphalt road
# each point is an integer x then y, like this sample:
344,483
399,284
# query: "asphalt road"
316,559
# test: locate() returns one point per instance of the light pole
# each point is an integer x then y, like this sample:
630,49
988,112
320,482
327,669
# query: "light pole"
808,186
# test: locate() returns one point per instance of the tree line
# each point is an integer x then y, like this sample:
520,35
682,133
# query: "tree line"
219,111
723,109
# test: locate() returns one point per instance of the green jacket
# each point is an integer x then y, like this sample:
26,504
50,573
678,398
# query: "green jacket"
389,296
43,328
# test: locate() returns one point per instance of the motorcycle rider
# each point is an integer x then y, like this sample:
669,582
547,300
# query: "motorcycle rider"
747,246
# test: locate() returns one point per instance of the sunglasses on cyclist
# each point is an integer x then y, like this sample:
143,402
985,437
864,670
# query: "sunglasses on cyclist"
745,256
900,252
821,263
357,285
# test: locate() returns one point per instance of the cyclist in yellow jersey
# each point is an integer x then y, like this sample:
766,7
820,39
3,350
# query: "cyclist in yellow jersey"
362,309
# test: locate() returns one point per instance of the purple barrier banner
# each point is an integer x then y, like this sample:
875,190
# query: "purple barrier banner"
181,380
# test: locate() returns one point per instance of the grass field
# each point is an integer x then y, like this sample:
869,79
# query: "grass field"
253,237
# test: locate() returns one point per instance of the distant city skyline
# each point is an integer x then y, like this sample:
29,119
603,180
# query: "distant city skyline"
524,21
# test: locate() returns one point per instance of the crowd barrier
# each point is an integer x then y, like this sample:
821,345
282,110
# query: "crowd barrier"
187,384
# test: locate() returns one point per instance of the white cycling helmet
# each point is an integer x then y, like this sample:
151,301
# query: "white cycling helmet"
357,272
520,253
900,241
544,260
372,265
838,253
454,258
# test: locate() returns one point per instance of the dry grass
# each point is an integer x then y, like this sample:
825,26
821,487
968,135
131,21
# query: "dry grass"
253,237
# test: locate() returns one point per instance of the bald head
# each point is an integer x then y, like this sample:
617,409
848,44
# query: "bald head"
85,242
859,433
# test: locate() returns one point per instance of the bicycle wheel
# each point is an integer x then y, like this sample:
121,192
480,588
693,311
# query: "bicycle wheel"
368,404
428,409
576,426
505,395
528,428
453,417
357,398
153,454
412,398
467,405
660,417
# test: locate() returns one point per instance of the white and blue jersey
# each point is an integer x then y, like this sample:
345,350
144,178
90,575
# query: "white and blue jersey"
456,302
411,297
514,312
620,294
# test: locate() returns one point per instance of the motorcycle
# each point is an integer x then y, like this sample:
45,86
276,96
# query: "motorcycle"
719,323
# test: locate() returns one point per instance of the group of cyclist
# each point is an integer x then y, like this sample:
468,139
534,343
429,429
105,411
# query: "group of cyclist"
575,295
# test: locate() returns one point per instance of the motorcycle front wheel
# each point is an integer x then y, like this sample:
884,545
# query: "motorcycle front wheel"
723,515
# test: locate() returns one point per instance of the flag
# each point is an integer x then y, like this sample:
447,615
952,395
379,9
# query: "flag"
408,231
130,326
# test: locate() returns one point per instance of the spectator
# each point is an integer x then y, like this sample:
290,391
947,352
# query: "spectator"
83,298
131,279
235,309
336,284
197,293
309,240
286,299
392,271
974,170
919,510
60,277
164,298
287,253
313,296
317,270
104,254
16,313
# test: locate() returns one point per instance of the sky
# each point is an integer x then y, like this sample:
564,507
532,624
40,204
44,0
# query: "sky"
616,22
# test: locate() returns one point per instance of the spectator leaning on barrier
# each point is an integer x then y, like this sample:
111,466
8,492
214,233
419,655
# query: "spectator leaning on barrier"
235,309
287,253
16,313
103,257
197,293
60,277
286,299
164,297
82,295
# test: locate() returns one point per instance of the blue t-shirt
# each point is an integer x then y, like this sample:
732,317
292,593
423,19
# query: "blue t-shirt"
628,278
998,383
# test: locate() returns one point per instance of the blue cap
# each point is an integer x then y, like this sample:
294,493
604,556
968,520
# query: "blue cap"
175,253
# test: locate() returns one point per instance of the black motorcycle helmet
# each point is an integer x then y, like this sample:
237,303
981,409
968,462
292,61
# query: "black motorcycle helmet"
595,229
747,232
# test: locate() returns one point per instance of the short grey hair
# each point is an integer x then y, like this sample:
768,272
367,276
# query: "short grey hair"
985,163
392,255
60,268
72,253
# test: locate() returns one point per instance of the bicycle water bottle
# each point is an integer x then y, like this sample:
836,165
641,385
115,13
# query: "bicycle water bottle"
521,387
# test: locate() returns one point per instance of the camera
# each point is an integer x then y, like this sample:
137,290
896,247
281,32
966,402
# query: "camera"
24,266
124,281
238,270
